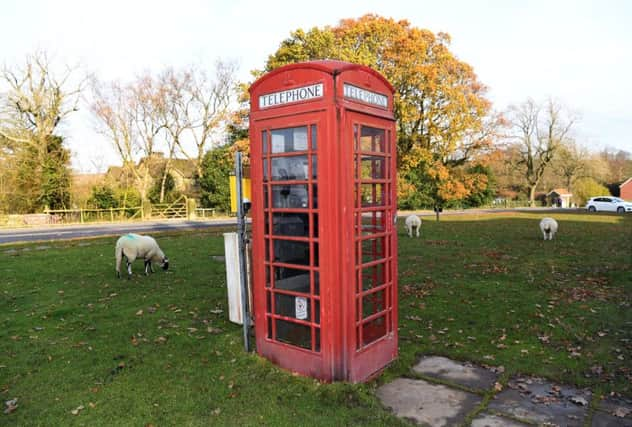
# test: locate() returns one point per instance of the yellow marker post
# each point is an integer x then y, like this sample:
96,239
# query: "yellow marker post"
245,188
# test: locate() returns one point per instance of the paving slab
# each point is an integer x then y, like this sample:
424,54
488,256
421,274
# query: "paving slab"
427,404
602,419
617,406
464,374
490,420
536,400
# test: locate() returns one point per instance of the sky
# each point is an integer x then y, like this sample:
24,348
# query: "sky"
576,52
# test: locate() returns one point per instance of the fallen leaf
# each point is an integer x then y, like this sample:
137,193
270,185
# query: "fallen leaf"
139,312
498,386
77,410
11,405
578,400
622,412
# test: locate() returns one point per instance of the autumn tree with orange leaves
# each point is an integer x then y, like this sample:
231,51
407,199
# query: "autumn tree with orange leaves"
444,119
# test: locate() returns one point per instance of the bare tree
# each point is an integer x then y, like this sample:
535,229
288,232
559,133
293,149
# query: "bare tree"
38,99
117,112
538,131
571,163
210,107
180,112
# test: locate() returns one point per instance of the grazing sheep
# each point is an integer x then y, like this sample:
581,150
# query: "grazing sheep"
548,227
132,246
413,222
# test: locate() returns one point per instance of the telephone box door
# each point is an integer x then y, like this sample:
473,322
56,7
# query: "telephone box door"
374,294
289,303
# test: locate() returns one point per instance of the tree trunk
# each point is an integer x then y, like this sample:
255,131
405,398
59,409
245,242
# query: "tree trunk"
532,195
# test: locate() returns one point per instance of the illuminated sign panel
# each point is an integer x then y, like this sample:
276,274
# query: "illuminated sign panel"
303,93
364,95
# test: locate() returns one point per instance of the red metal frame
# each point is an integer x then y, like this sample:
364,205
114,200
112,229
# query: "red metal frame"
324,199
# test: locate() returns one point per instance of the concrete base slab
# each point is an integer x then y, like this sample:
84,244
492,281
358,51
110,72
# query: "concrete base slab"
601,419
536,400
617,406
426,403
464,374
489,420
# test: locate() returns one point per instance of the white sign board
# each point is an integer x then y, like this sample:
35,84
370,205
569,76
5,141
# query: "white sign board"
300,307
357,93
289,96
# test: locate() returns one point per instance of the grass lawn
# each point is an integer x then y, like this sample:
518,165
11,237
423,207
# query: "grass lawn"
80,347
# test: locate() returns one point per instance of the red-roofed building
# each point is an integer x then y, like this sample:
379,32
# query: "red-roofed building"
625,190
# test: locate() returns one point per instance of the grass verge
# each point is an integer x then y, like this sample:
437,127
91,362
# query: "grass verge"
80,347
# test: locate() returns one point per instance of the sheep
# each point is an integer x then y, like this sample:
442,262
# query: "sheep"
413,222
132,246
548,227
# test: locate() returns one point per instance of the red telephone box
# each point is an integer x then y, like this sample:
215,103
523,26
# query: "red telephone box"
324,244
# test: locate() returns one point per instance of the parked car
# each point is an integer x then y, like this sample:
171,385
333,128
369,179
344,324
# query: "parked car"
608,204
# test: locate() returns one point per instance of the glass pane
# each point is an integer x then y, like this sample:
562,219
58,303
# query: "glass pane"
291,306
293,333
269,335
289,168
314,167
316,283
291,279
314,196
289,140
372,195
290,224
372,139
317,339
314,139
372,249
264,139
373,276
372,167
265,170
292,196
266,243
356,147
315,225
373,330
290,252
372,222
374,303
315,254
265,197
317,312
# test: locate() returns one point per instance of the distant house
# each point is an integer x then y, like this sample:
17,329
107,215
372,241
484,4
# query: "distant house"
559,197
625,190
182,170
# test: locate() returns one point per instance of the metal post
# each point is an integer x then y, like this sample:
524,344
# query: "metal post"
241,233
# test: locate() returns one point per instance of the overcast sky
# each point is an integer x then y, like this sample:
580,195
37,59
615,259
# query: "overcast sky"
578,52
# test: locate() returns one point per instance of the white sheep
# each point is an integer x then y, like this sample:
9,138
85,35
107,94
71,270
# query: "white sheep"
548,226
413,222
133,246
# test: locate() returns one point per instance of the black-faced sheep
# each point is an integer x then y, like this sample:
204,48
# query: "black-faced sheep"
413,222
548,226
133,246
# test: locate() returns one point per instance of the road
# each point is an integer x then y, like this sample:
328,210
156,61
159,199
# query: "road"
61,232
35,234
